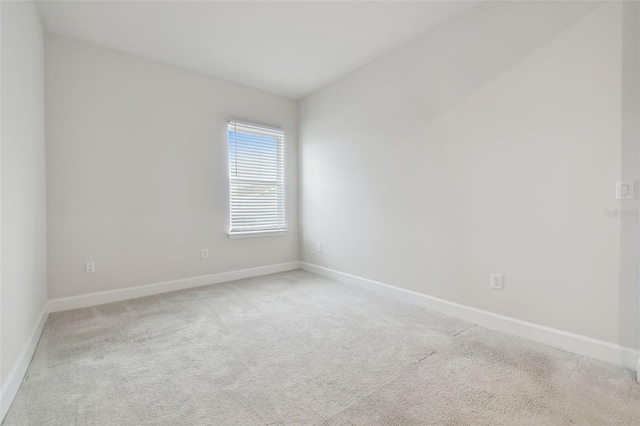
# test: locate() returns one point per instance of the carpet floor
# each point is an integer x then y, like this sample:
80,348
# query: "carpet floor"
296,348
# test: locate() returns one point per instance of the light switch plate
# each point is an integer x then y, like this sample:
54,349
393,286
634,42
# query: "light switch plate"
625,190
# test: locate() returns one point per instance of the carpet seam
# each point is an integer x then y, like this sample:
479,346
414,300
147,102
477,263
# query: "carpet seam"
402,373
466,329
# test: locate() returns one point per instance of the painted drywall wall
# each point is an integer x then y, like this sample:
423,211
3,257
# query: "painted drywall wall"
489,144
137,172
23,189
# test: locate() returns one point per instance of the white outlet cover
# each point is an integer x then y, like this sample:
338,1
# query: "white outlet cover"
496,281
205,253
319,247
90,268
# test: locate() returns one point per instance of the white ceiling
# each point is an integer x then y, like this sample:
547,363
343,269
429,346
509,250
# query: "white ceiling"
288,48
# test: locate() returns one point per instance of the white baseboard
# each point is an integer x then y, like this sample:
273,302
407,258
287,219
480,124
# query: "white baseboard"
12,383
582,345
100,298
14,379
598,349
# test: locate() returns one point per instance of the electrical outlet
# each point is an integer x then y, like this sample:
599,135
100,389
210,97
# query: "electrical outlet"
319,247
496,281
90,268
205,253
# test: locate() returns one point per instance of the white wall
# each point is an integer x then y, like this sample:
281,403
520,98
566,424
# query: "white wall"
137,171
489,144
24,239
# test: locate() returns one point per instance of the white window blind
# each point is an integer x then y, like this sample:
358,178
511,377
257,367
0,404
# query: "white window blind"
257,179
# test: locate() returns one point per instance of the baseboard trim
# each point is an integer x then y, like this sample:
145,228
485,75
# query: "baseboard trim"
582,345
10,387
100,298
16,375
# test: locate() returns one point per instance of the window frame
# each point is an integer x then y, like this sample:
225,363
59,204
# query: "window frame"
235,234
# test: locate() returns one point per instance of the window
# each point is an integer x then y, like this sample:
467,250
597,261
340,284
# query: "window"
257,180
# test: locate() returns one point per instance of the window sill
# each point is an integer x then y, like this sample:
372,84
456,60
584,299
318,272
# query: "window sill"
234,235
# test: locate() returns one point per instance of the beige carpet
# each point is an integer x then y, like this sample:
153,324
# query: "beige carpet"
295,348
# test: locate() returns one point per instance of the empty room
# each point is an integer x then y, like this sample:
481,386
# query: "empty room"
319,212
